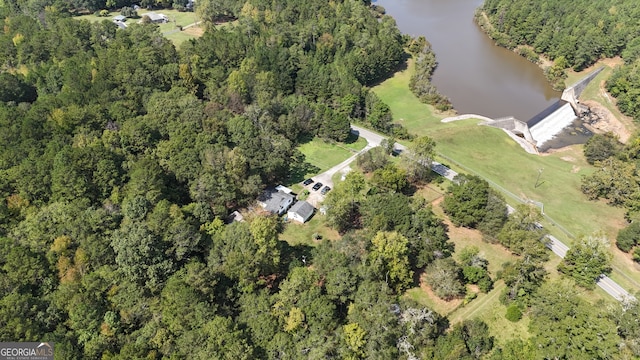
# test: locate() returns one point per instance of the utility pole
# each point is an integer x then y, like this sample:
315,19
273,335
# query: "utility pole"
538,178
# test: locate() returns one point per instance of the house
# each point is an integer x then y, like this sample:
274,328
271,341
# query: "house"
120,18
301,211
275,201
156,18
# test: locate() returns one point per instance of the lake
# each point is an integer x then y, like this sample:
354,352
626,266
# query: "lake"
478,76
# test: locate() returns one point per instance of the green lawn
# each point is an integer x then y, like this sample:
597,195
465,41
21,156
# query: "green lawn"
407,110
302,234
493,155
178,37
487,307
490,153
353,143
175,18
320,156
325,155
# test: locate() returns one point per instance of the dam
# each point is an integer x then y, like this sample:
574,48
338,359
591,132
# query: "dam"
551,125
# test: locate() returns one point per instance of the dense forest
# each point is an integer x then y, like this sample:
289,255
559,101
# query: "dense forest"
121,157
573,34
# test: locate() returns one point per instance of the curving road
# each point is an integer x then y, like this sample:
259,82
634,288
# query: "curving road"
373,140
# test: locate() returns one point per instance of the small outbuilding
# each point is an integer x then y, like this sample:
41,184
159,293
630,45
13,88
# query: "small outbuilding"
301,212
235,216
120,18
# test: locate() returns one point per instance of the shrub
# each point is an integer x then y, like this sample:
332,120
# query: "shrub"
485,284
128,12
513,313
469,297
443,275
628,237
601,146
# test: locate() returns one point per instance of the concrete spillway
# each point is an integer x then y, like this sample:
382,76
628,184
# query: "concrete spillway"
553,124
548,124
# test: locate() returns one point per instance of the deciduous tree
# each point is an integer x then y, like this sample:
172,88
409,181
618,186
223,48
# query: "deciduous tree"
587,260
389,258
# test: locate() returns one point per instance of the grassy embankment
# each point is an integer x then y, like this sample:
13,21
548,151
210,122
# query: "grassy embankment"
491,154
170,29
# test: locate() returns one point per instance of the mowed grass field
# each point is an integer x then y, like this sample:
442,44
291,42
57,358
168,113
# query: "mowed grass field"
325,155
407,110
302,234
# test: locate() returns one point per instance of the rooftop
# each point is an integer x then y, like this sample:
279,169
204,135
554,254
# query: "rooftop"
275,201
302,208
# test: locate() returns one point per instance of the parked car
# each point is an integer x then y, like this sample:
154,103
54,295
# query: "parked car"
325,190
317,186
307,182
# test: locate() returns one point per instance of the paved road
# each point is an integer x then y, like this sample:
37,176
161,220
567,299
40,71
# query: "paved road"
612,288
604,282
373,140
558,247
326,176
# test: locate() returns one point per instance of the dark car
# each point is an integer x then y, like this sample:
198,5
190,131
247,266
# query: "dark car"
307,182
325,190
317,186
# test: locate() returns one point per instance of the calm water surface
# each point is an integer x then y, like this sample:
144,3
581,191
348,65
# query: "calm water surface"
478,76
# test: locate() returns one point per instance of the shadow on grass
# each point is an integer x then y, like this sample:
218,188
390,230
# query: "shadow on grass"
352,138
295,256
305,138
299,168
403,65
